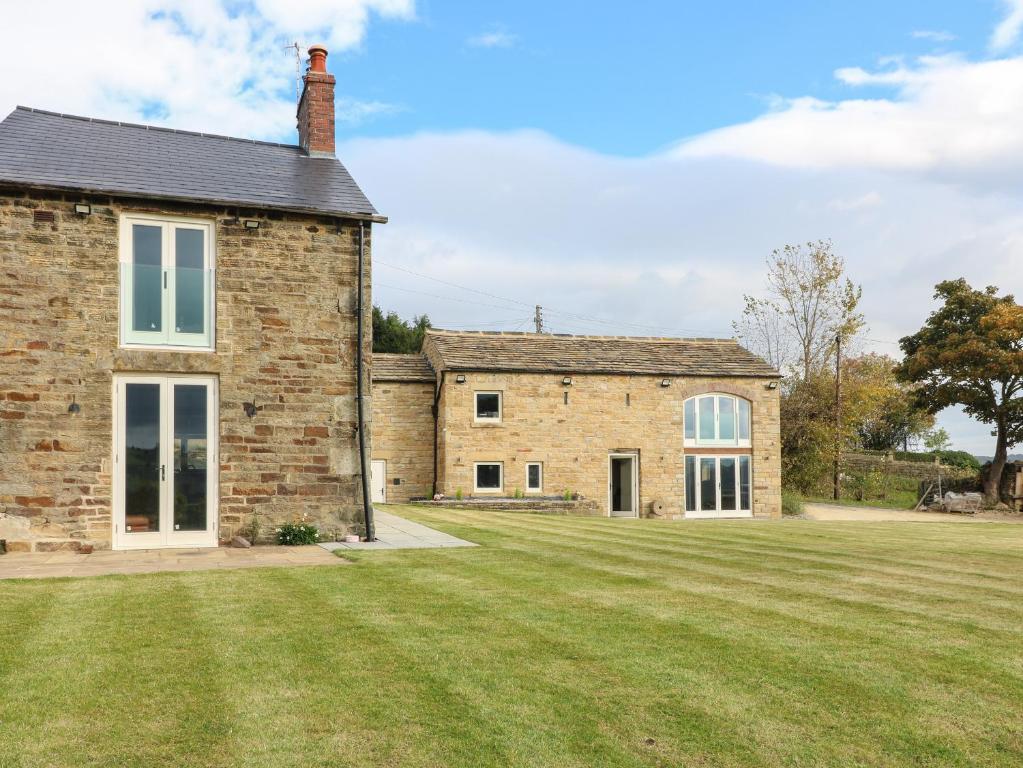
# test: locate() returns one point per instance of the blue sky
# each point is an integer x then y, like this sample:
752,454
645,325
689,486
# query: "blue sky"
627,166
632,79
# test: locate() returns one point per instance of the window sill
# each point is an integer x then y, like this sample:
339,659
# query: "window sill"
165,348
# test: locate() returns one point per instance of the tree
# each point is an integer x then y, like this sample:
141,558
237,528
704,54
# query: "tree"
883,410
879,412
969,352
809,303
392,334
937,440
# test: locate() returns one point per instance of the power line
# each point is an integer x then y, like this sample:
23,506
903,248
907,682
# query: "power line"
445,298
585,318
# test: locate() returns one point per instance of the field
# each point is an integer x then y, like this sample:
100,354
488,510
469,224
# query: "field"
559,642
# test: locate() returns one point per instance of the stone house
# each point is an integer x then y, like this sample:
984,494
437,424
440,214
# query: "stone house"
634,426
179,331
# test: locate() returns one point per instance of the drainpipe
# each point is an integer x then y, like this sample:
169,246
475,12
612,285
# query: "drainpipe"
367,506
436,427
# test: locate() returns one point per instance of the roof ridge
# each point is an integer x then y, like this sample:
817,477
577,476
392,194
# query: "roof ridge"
161,128
595,337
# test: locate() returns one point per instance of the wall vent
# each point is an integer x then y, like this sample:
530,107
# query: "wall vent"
42,217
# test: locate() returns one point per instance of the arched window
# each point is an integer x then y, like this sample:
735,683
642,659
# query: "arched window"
717,420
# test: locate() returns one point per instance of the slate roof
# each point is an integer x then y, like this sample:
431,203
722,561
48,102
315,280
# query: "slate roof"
394,367
46,150
558,353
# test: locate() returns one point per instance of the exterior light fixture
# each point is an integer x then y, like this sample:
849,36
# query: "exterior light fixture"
567,381
251,224
460,378
83,208
250,408
74,407
772,385
665,382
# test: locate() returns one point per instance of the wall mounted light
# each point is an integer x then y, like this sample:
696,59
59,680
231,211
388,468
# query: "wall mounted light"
567,381
772,385
251,224
250,408
83,208
665,382
74,407
460,378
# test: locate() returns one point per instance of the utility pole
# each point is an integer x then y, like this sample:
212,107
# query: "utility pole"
838,413
538,319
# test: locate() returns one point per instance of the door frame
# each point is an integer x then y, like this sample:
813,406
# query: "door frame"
721,514
383,485
634,458
166,539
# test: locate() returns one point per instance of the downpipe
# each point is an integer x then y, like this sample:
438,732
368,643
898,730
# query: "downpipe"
367,506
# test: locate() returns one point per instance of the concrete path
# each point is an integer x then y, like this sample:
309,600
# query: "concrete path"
876,514
395,532
39,565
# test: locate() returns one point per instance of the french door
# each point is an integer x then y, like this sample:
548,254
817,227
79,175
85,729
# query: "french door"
718,486
165,461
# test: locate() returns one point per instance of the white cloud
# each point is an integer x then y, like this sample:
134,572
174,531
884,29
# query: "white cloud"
493,39
934,35
196,64
1006,34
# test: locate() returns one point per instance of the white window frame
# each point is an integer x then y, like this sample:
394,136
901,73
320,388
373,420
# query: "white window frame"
167,338
538,489
475,476
487,419
715,442
717,511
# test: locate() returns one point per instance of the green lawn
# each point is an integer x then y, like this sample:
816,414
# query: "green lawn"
559,642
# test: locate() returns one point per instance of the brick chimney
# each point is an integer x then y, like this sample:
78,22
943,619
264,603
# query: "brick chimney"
316,107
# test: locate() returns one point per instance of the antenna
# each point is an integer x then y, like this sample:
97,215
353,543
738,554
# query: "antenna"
298,67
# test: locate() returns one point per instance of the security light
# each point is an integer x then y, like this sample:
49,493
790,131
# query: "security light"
665,382
83,208
567,381
460,378
772,385
251,224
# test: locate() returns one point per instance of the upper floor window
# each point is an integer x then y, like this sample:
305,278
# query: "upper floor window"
166,282
717,420
488,406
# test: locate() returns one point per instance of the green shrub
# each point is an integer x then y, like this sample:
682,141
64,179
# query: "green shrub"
458,495
960,459
791,504
297,533
519,494
568,494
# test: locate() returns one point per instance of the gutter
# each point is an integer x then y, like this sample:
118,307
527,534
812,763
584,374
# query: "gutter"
367,506
436,428
122,194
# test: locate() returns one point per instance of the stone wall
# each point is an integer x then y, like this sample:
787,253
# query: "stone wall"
603,414
285,340
403,437
865,462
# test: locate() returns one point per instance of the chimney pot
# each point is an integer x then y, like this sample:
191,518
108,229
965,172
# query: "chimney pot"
316,107
317,58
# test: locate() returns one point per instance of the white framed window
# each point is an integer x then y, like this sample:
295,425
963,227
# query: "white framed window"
167,281
718,486
534,477
487,407
717,420
488,476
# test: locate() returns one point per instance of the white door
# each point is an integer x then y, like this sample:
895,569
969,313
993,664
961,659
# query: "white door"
165,462
623,485
718,486
378,481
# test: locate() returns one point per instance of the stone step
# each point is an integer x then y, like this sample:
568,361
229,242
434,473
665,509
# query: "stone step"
44,545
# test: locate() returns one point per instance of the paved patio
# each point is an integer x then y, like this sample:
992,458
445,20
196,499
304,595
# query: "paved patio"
393,532
40,565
